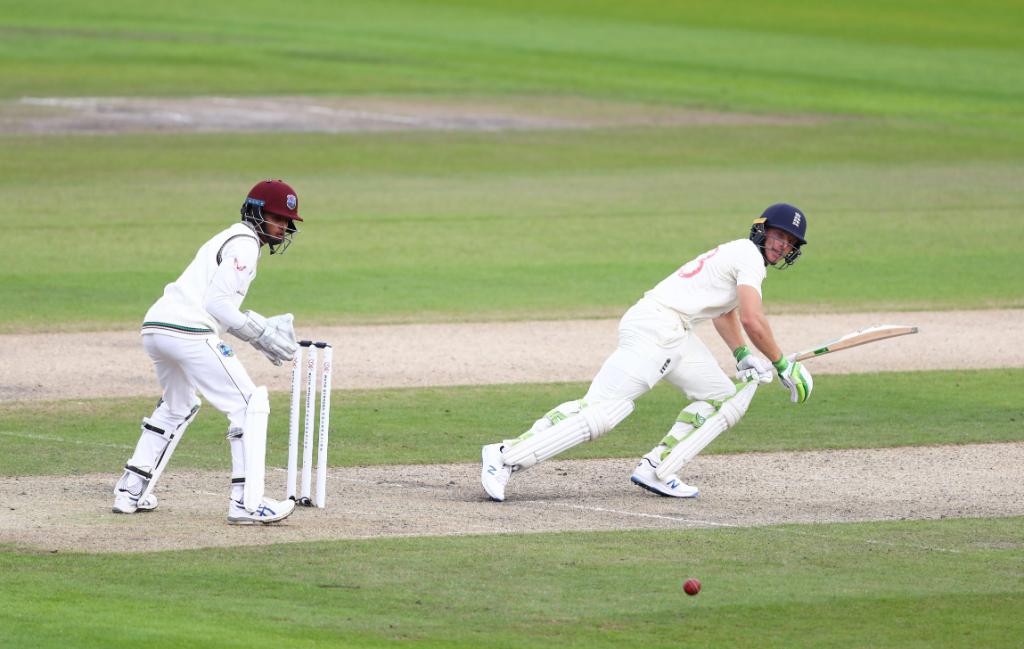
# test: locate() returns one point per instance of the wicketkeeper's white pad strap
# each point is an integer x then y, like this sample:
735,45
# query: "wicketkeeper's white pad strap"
591,422
728,415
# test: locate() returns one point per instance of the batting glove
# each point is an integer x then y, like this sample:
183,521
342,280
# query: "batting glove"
746,361
795,376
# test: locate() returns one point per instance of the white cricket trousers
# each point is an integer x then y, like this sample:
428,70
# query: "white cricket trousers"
209,365
654,345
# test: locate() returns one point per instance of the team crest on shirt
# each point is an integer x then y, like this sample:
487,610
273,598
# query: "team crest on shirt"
225,350
291,201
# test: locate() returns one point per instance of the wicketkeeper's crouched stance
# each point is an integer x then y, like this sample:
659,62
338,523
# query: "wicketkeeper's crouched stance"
657,341
182,334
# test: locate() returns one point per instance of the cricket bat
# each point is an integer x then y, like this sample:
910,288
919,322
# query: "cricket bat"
855,339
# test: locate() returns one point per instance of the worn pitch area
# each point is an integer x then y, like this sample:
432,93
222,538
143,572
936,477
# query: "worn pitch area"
754,489
72,513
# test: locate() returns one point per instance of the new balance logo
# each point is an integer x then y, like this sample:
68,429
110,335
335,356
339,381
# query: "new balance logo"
492,470
673,484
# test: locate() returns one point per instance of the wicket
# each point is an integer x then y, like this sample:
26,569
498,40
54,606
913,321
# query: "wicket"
325,422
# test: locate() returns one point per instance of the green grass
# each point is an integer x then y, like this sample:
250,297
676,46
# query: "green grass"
910,179
953,583
553,224
414,426
941,60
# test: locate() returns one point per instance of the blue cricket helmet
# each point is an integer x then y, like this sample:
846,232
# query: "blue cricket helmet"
787,218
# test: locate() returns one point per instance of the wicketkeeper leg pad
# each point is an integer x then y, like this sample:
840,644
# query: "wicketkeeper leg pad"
592,421
254,441
159,442
701,424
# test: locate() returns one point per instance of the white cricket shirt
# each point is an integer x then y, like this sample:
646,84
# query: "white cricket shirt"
205,299
705,287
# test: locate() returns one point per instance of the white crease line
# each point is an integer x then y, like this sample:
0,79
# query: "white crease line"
677,519
54,438
376,483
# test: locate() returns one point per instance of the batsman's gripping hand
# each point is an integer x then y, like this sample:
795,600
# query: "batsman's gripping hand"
795,376
746,361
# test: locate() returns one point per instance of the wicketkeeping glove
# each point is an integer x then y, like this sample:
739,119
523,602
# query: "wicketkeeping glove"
747,361
795,376
277,342
275,336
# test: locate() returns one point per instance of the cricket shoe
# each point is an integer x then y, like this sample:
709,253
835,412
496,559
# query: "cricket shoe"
127,503
495,473
269,511
644,476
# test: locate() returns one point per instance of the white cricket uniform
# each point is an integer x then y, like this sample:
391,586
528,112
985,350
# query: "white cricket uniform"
656,335
182,330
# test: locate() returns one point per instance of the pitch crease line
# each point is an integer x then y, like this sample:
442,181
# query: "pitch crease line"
677,519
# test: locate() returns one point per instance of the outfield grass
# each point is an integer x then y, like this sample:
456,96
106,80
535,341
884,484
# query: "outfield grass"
552,224
946,60
418,426
953,583
910,176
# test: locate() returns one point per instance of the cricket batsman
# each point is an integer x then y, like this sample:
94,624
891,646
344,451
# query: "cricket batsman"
658,340
183,334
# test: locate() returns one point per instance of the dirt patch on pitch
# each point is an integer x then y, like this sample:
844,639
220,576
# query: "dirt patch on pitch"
113,115
113,364
756,489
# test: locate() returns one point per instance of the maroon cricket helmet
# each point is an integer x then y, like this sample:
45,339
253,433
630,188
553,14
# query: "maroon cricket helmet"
276,197
272,197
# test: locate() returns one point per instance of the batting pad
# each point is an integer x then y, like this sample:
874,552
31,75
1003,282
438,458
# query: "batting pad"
254,442
590,423
727,416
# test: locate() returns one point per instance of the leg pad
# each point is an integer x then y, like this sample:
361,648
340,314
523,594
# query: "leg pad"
588,424
701,433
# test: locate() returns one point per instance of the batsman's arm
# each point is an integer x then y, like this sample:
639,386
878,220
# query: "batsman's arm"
728,327
755,323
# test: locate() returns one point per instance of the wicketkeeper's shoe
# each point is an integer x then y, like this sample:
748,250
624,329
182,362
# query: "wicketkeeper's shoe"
126,503
644,476
269,511
495,473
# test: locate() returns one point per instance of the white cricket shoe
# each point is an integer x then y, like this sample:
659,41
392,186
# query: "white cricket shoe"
644,476
269,511
126,503
495,473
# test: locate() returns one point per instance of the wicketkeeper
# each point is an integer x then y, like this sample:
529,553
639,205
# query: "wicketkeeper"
657,340
182,333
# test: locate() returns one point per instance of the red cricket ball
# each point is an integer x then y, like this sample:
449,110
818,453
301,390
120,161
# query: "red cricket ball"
691,586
